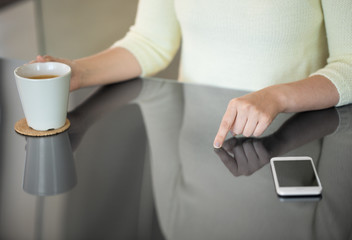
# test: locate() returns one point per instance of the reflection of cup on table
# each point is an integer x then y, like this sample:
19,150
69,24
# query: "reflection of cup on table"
44,90
50,167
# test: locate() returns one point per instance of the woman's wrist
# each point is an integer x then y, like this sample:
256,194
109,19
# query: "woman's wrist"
89,71
84,73
280,96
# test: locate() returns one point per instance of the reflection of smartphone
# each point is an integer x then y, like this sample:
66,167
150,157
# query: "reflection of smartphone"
295,176
310,198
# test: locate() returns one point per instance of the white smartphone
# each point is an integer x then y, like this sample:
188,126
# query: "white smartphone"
295,176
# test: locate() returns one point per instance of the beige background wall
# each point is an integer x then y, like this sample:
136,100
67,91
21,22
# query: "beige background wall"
18,38
66,28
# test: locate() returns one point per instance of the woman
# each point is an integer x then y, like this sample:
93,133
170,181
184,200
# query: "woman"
293,55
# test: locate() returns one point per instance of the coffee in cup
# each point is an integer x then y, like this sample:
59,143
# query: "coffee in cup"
43,76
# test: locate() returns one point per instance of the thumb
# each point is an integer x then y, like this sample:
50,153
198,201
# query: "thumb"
40,59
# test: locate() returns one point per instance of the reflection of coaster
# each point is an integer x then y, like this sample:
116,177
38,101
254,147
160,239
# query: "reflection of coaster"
22,128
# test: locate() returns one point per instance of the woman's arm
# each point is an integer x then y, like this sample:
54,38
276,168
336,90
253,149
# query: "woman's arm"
329,86
112,65
251,114
146,49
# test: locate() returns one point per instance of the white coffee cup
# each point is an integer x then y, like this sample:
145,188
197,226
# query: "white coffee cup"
44,101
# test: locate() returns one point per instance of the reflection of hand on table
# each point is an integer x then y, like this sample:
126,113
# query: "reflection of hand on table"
244,156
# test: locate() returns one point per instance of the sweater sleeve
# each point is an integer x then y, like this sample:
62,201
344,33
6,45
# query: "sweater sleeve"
155,37
338,24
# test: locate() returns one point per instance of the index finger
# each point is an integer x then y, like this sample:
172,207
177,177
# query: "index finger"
225,126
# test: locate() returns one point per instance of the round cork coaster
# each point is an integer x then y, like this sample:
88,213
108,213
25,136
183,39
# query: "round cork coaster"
22,127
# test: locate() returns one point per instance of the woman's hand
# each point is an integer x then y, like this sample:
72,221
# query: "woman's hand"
77,70
109,66
250,114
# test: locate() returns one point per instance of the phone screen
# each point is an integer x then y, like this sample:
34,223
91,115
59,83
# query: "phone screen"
295,173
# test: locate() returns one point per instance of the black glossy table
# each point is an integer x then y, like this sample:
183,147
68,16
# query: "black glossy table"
138,163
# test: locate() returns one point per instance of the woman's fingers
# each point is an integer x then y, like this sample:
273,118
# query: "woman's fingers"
45,58
225,126
263,124
249,115
76,71
40,59
239,123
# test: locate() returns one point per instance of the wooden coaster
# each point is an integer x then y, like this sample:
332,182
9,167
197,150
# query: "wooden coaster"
22,127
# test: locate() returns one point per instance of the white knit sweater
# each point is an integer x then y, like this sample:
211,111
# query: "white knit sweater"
247,44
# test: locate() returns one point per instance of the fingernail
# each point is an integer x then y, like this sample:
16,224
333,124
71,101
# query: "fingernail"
216,145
